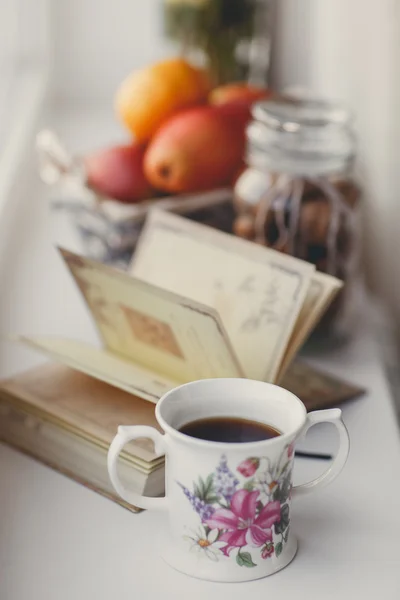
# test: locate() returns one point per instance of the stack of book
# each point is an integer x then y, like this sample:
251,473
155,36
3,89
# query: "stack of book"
67,420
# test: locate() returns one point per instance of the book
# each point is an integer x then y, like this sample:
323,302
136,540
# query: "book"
316,388
67,420
196,303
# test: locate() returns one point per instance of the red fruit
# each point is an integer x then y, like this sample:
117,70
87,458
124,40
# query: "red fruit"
117,172
232,92
196,150
235,101
238,113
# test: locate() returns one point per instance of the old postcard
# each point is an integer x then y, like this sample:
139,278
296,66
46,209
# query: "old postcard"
153,339
196,304
323,288
152,327
257,292
103,365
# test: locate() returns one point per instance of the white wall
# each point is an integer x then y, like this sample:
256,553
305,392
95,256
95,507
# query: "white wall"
98,42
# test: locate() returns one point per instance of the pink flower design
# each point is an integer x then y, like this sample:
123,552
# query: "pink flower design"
290,450
249,466
240,525
268,550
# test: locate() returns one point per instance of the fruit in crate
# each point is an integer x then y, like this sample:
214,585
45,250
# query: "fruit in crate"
195,150
235,101
237,92
239,116
117,172
149,96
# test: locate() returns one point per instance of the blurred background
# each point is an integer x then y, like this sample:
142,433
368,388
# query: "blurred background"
61,63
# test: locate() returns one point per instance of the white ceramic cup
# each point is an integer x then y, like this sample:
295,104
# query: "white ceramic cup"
228,504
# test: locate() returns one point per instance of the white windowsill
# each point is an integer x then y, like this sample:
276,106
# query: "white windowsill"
19,112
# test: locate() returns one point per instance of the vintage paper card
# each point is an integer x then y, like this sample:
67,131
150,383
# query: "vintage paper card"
321,292
155,329
102,365
257,292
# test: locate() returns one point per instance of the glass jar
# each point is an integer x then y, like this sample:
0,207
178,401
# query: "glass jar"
297,195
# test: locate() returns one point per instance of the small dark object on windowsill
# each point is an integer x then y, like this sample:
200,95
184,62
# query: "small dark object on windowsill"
316,455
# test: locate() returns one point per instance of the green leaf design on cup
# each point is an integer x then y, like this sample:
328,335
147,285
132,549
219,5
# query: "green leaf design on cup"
244,559
249,485
283,490
286,536
283,524
205,490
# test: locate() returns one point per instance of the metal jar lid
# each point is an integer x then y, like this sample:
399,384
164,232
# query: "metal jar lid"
301,136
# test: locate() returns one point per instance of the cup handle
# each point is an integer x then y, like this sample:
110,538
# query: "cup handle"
127,434
333,415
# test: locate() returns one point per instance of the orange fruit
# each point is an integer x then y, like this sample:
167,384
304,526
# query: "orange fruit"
149,96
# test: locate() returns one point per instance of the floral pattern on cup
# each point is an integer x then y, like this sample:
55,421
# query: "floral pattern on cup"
243,513
205,542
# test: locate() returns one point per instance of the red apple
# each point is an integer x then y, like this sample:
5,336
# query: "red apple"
235,101
117,172
238,114
232,92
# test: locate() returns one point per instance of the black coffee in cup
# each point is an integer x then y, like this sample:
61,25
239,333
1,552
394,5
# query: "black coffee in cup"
231,430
